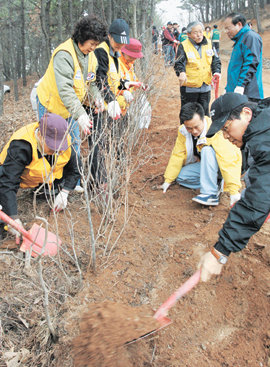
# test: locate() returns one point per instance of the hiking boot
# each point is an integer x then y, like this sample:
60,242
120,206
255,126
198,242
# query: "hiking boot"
210,200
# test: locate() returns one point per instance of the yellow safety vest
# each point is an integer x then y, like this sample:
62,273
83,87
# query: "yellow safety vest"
47,89
39,170
126,73
198,69
113,74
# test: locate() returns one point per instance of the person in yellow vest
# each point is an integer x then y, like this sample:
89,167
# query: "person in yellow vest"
129,53
207,32
108,72
108,81
70,78
195,64
196,160
38,154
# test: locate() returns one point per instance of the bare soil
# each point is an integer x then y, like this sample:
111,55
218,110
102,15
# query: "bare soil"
223,323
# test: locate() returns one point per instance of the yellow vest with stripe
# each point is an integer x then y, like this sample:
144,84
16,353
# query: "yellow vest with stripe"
91,75
198,69
47,90
112,73
127,73
39,170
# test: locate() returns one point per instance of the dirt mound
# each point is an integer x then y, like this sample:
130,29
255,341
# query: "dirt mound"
104,330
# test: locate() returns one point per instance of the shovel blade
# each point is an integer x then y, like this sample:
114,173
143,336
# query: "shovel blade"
36,246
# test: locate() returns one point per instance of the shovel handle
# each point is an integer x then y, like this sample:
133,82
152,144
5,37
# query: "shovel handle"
216,88
15,225
180,292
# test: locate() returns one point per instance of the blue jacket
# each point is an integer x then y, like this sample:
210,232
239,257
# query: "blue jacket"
245,66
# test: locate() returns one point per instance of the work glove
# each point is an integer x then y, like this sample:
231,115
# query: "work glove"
175,41
85,123
182,78
217,75
14,231
99,105
131,84
128,96
61,201
165,186
114,110
239,90
209,266
234,198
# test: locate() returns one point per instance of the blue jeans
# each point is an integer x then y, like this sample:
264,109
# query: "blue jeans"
74,129
169,55
201,175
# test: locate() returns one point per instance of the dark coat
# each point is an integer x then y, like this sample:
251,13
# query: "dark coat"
249,213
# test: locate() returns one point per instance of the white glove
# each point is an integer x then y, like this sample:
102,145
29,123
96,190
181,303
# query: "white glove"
133,84
234,198
209,266
165,186
217,74
114,110
182,78
239,90
14,232
61,201
85,123
128,96
99,105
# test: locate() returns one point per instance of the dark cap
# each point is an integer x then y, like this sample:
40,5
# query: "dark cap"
119,30
169,23
54,130
221,109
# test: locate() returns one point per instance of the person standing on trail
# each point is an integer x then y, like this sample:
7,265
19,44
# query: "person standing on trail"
196,63
155,36
38,154
70,77
216,38
168,44
197,162
246,125
208,33
183,35
108,72
129,54
244,73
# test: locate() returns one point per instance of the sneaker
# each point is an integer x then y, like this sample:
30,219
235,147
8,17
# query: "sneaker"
207,199
79,189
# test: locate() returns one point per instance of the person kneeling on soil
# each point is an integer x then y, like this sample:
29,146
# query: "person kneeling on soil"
246,125
196,160
37,154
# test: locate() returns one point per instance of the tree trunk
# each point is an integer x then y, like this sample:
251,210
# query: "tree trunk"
45,26
1,81
134,19
207,11
90,7
60,21
143,18
109,12
257,15
70,15
12,55
23,60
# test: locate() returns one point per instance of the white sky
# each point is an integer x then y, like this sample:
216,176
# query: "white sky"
169,12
